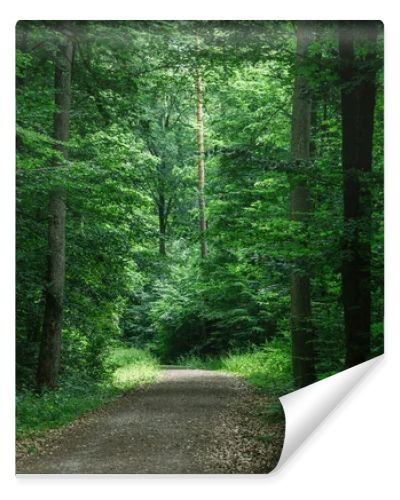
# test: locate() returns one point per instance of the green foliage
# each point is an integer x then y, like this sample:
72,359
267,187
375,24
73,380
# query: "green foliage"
132,169
37,413
132,367
268,367
77,394
220,303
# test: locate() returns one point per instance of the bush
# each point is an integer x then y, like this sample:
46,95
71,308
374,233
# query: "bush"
206,309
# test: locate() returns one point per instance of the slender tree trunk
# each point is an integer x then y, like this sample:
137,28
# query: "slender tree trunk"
49,354
200,162
358,103
162,223
301,208
162,203
200,175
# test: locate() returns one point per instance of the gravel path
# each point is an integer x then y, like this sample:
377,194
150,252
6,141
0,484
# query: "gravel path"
192,421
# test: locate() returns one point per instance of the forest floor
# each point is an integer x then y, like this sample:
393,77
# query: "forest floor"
191,421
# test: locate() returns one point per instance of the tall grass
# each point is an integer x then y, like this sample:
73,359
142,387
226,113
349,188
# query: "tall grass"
132,367
267,367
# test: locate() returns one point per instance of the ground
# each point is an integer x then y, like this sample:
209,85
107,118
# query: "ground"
192,421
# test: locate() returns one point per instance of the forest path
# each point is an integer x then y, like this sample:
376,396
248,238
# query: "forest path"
192,421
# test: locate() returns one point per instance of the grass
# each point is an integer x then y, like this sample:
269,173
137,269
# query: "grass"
267,367
132,367
75,396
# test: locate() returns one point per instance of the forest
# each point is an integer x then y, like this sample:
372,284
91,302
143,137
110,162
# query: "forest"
206,194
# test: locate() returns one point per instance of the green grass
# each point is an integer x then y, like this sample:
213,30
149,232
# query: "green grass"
267,367
132,367
75,396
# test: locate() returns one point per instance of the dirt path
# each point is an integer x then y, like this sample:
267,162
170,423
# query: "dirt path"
192,421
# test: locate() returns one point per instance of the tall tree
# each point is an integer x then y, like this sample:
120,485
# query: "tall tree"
357,102
200,161
300,209
163,197
49,354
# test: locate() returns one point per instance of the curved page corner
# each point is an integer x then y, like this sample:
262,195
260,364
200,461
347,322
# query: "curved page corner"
308,407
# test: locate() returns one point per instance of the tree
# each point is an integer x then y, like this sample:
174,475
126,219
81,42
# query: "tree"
300,210
132,148
200,161
162,132
49,354
357,105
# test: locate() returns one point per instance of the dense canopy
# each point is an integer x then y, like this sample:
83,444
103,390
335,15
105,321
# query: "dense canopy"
198,189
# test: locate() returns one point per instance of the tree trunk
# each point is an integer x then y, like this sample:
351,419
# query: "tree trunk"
49,354
162,223
200,163
358,103
300,208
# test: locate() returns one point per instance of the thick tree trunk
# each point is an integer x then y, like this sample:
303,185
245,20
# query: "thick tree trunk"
300,208
200,164
358,103
49,354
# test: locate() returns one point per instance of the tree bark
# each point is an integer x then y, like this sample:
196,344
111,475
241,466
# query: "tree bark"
357,103
162,223
200,162
300,209
49,354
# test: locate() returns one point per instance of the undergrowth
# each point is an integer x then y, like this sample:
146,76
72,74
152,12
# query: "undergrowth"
267,367
127,367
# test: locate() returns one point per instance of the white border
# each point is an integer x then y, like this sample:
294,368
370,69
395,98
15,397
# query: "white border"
354,453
